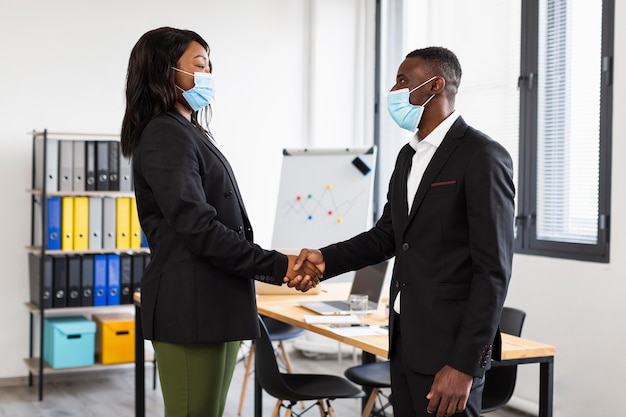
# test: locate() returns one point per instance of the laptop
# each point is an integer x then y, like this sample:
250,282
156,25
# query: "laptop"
368,280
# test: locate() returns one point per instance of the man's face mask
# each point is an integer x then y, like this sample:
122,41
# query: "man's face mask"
202,92
405,114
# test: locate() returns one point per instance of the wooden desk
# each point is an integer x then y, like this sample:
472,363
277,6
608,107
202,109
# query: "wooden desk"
515,350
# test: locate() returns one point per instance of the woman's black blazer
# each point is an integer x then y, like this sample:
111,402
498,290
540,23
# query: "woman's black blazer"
198,286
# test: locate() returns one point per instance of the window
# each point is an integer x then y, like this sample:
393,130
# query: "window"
537,78
565,95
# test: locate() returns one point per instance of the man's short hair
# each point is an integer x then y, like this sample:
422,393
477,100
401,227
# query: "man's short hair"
442,62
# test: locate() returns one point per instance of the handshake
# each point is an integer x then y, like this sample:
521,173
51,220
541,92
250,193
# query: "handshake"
305,270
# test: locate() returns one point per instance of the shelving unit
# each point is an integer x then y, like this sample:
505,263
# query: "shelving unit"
40,193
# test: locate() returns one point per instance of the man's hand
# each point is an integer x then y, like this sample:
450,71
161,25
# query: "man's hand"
303,278
306,259
312,255
449,393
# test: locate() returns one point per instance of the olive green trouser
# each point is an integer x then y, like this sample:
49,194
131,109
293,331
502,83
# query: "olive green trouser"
195,377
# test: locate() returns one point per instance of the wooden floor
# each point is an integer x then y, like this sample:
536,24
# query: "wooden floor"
111,393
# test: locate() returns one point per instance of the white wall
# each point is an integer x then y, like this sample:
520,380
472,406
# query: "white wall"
64,66
63,69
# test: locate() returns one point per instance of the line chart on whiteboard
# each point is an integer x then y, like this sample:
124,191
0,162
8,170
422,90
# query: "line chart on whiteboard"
321,205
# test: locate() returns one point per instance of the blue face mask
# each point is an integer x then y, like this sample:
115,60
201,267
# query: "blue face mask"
405,114
202,92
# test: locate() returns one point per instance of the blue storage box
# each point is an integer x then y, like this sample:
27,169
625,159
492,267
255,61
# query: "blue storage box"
69,341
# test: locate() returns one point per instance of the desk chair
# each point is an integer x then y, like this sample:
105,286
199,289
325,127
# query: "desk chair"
374,376
278,331
500,380
292,388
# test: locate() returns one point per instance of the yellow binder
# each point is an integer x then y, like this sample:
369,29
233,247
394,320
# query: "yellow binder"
135,227
67,223
122,229
81,223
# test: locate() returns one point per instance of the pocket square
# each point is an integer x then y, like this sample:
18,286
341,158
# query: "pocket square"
442,183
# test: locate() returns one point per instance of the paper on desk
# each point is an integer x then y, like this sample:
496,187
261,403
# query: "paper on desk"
360,331
331,319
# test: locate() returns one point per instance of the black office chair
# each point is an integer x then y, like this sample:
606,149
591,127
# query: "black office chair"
279,332
372,376
500,380
295,387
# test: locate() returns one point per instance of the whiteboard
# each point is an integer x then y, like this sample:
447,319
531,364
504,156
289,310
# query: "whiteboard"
325,196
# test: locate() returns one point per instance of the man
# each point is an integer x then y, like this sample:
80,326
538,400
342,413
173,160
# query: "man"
449,222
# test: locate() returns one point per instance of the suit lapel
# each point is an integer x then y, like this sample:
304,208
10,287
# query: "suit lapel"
447,147
230,172
209,144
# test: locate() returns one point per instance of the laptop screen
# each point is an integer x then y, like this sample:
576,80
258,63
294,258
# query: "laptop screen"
369,280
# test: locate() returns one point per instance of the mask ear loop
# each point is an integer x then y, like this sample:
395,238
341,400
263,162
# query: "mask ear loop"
429,98
423,84
185,72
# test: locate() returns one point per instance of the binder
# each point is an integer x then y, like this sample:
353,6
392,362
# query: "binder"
126,270
86,281
135,227
40,286
113,279
59,281
37,230
67,223
122,222
81,223
126,174
137,273
108,223
66,162
114,165
49,176
90,165
73,281
78,183
53,241
95,223
102,165
100,280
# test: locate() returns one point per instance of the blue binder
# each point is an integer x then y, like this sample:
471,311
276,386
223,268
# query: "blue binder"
100,280
53,241
113,279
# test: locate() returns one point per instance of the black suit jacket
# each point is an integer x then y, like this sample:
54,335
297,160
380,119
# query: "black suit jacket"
453,252
198,286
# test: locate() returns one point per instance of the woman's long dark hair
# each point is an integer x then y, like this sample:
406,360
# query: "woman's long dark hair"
150,85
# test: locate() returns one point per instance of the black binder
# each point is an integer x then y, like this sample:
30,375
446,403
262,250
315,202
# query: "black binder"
90,166
59,281
138,267
114,166
38,283
86,284
125,278
102,165
73,281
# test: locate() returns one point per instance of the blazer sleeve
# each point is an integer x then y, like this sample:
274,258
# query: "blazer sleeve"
170,164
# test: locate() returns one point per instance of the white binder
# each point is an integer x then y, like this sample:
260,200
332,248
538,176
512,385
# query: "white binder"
108,222
95,222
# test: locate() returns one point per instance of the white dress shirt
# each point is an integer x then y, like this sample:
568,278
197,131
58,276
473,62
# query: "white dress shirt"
424,150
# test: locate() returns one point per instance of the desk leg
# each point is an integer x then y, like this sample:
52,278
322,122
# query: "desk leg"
365,359
258,398
140,367
546,388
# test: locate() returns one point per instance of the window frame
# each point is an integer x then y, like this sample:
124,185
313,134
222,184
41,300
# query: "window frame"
525,221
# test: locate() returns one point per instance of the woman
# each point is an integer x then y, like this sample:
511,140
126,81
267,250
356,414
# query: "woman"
197,293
